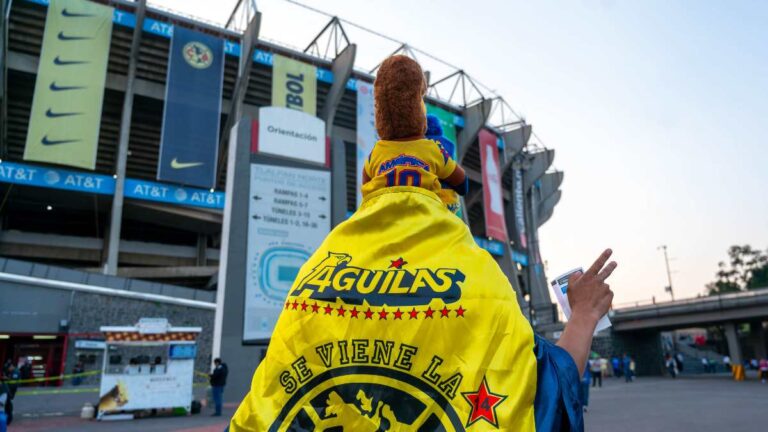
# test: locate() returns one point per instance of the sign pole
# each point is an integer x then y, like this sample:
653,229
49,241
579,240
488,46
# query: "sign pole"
116,221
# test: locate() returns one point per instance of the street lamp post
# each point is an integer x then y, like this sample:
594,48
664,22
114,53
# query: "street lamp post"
668,288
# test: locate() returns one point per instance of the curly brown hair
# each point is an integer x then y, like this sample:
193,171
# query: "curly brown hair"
399,95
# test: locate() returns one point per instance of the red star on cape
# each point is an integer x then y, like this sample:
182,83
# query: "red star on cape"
368,314
483,403
304,306
315,308
328,309
460,311
413,313
398,263
295,304
341,310
383,314
428,313
353,313
444,312
398,314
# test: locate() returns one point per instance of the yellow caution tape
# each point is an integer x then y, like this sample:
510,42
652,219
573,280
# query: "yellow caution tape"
53,378
82,374
57,391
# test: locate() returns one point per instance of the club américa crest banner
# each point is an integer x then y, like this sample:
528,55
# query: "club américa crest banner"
398,322
190,138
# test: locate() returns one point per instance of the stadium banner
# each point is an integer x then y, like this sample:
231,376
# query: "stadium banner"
493,207
79,181
165,29
366,131
291,134
69,91
288,217
192,114
519,209
294,84
172,194
54,178
447,122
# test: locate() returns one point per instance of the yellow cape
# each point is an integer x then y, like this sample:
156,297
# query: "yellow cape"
398,322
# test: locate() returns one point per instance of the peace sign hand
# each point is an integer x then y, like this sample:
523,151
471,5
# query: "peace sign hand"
588,294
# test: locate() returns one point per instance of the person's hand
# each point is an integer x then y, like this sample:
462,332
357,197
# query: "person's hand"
590,298
588,294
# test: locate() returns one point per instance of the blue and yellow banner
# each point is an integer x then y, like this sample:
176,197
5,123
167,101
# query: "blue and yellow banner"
66,109
190,137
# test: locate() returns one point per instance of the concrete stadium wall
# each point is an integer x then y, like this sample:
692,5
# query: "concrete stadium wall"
29,308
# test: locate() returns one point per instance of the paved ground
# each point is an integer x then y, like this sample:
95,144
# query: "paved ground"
695,404
61,412
700,404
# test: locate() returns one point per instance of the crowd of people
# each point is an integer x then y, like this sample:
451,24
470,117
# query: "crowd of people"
599,367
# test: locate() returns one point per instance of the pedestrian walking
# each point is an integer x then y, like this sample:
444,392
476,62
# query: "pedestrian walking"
727,363
25,369
626,361
77,370
603,367
679,359
705,364
218,379
12,375
616,365
594,369
763,370
585,388
4,398
671,365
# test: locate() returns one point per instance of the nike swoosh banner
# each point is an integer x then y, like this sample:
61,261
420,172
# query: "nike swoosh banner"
294,84
66,108
191,120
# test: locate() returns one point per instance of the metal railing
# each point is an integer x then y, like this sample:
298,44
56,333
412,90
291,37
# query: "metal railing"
719,298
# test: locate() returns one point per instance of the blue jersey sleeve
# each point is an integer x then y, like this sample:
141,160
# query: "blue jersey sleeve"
558,406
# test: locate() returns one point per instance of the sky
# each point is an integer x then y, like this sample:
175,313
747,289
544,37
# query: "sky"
657,111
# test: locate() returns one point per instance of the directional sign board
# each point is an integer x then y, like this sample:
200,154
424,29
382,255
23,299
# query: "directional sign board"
288,217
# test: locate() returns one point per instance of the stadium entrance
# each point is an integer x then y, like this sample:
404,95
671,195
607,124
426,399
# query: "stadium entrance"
36,356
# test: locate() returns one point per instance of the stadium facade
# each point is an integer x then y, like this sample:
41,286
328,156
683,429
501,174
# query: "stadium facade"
107,244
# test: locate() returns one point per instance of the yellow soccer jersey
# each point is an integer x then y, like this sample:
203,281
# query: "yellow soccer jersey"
421,163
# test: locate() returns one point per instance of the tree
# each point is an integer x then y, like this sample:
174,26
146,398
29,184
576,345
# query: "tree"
747,269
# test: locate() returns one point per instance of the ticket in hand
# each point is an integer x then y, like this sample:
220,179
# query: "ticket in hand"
560,287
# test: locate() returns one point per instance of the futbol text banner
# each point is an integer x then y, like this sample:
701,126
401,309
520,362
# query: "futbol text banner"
294,85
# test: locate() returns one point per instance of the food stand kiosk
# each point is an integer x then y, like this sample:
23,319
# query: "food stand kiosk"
147,366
